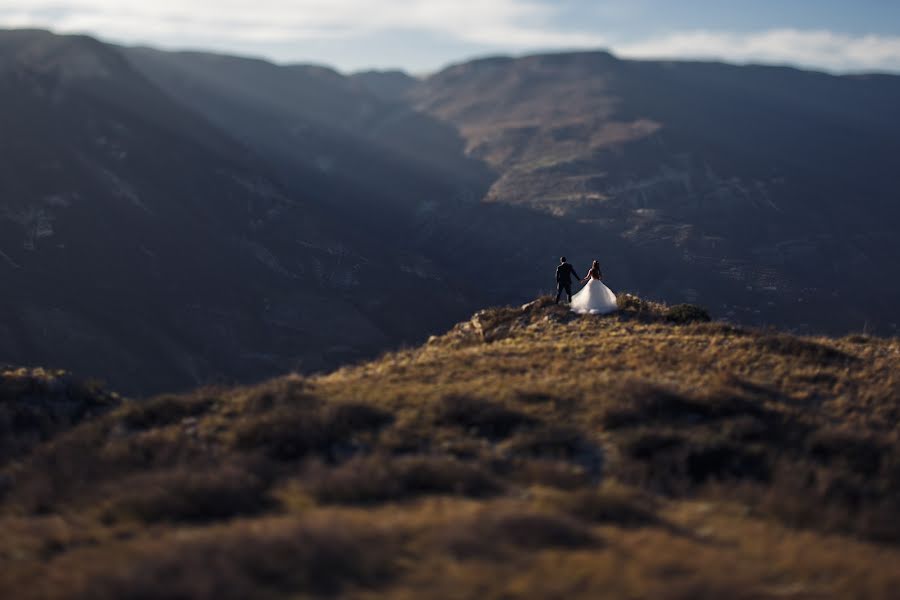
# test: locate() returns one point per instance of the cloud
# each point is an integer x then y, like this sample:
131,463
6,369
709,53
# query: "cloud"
291,29
819,49
503,23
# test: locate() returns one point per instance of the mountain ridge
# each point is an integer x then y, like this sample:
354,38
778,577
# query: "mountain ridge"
129,207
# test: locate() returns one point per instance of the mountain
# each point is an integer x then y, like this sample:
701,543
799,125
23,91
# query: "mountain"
392,86
175,219
309,119
775,187
650,455
143,244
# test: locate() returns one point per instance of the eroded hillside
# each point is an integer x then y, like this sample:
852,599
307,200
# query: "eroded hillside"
526,453
774,187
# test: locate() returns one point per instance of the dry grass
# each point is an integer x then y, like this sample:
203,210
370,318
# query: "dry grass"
526,454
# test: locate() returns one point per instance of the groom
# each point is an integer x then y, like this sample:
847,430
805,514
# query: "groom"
564,275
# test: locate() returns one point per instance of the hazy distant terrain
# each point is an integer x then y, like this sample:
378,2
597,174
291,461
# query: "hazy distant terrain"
777,187
169,219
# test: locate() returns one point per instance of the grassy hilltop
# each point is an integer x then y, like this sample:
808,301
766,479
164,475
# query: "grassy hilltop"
527,453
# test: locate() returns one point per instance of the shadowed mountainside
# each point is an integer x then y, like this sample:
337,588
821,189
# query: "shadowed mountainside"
170,219
527,453
145,245
776,187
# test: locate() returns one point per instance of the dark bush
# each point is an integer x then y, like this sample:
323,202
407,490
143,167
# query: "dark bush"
345,419
674,464
37,405
536,530
492,533
719,328
290,433
723,461
649,444
614,506
835,500
643,405
549,442
484,418
629,302
381,479
165,410
183,495
265,560
856,453
551,473
283,434
788,345
683,314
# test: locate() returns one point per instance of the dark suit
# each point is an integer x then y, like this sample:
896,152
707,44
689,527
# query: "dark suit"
564,274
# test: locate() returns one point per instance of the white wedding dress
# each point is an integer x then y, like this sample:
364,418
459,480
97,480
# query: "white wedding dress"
594,299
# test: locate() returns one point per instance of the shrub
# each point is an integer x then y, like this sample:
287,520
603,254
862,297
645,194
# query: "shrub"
551,473
289,433
723,460
549,442
192,496
788,345
559,443
495,532
640,404
682,314
648,444
532,530
345,419
675,463
162,411
834,500
262,560
630,302
611,504
381,479
645,310
37,405
484,418
852,451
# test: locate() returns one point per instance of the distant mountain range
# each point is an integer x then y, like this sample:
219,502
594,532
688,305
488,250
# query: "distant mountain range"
170,219
777,188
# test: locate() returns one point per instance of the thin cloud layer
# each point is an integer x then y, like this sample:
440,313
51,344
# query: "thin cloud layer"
824,49
295,27
505,23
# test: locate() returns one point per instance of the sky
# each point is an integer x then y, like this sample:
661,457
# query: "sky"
422,36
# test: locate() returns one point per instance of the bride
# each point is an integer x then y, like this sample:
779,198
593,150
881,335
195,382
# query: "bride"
594,298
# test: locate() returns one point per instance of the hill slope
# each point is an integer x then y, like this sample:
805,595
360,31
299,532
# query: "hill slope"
172,219
776,187
144,242
526,453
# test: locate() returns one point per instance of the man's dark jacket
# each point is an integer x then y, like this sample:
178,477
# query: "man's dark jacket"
564,274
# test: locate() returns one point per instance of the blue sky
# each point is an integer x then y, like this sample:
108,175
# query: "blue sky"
423,35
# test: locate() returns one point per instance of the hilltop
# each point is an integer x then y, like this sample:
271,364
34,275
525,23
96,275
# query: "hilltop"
526,453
